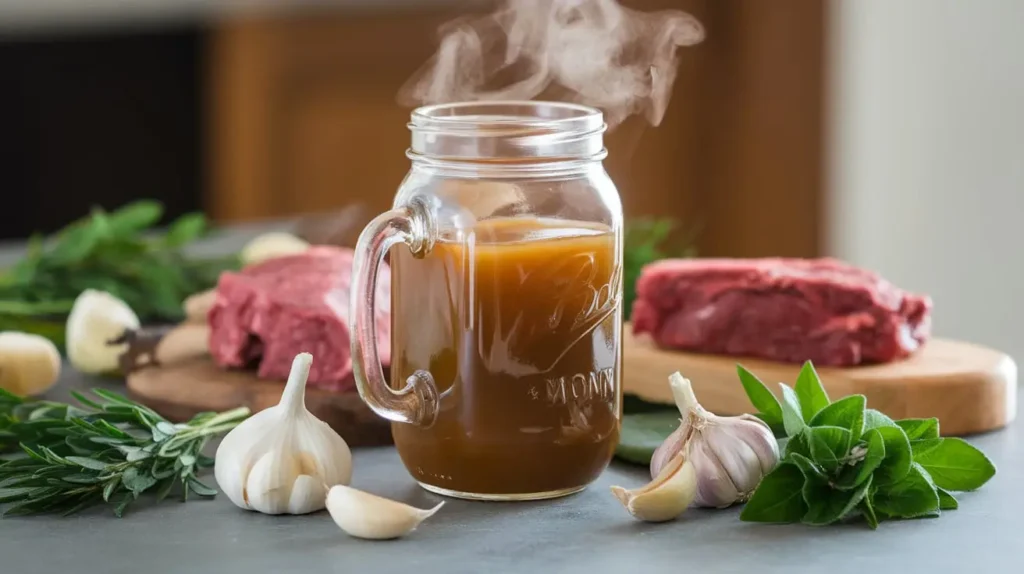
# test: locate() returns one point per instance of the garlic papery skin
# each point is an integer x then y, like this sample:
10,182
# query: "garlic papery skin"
730,454
364,515
665,497
96,319
282,460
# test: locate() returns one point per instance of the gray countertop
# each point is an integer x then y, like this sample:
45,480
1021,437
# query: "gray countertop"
588,533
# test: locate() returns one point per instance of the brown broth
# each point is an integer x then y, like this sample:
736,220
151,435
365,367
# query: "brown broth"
519,324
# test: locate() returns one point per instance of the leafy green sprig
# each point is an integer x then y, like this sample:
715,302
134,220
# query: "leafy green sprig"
646,240
119,252
842,459
62,458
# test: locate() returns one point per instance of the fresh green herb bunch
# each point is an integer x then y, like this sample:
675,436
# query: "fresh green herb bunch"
63,458
841,459
645,241
118,252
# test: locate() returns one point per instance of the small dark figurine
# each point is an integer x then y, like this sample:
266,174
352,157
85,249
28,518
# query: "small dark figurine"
142,345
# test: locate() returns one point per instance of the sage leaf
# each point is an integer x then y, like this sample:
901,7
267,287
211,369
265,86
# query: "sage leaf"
164,489
185,229
921,446
875,419
868,511
797,445
918,429
828,446
898,457
109,489
946,500
778,498
808,388
847,412
912,497
956,465
768,407
855,475
642,433
827,505
134,217
811,471
792,416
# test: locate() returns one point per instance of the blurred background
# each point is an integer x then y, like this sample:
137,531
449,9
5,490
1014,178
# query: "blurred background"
885,133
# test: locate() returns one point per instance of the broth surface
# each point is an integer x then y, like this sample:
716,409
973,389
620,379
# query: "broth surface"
519,322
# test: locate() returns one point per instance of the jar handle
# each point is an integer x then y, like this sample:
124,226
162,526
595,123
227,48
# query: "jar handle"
417,402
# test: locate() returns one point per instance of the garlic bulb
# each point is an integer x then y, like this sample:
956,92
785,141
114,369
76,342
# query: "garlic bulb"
282,460
29,364
366,515
96,318
730,454
271,245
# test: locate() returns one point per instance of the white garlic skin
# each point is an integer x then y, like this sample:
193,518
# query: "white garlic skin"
730,454
283,460
96,318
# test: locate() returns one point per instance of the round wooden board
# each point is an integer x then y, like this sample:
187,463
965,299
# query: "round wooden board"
188,386
970,388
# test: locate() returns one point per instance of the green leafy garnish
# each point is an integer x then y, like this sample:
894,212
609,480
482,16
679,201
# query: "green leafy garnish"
643,433
62,458
841,459
119,252
646,241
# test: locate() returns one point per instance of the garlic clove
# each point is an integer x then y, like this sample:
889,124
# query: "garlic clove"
665,497
366,515
307,495
29,364
715,489
272,475
96,318
271,245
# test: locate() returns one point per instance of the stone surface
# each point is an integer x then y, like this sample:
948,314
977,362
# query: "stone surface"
586,533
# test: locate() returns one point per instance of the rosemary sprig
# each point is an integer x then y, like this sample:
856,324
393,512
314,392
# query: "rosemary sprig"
62,458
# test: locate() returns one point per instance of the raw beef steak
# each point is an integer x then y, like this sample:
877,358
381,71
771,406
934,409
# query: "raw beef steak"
272,311
789,310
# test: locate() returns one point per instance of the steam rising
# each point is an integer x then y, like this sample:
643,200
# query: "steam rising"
593,52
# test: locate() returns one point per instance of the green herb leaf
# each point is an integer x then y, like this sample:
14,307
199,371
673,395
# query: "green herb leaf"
827,505
874,419
796,444
918,429
847,412
921,446
898,457
778,498
855,475
792,417
185,230
946,500
201,489
135,217
956,465
811,471
90,463
828,446
769,409
912,497
868,511
642,433
812,395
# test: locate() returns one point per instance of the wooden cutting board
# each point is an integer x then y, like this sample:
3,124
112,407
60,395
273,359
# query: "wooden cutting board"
970,388
187,382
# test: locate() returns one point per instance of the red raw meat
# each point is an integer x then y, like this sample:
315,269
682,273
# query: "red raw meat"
270,312
788,310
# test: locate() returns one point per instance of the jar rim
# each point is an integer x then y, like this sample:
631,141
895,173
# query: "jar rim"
507,129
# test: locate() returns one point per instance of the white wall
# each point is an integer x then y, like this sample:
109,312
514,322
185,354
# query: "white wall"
927,156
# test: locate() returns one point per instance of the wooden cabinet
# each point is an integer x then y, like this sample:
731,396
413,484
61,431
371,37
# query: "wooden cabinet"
303,117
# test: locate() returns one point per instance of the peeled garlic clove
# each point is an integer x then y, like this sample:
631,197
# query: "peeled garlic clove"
271,245
96,318
665,497
29,364
366,515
